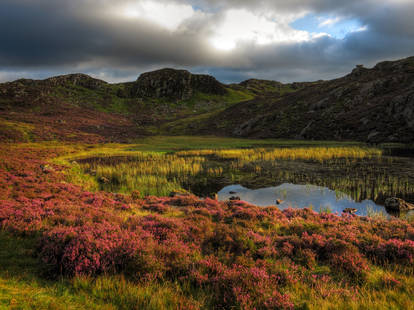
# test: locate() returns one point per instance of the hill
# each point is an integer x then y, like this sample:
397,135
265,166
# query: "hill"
374,105
77,107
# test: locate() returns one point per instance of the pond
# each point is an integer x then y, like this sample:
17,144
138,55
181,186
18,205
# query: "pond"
301,196
326,178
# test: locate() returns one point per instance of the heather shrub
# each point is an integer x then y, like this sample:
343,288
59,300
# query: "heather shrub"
306,257
245,257
184,200
157,207
160,228
228,240
240,286
390,251
101,248
350,263
244,211
23,216
135,195
177,257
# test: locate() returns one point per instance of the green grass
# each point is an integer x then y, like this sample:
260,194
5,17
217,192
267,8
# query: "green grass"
177,143
232,96
23,286
23,129
104,100
107,100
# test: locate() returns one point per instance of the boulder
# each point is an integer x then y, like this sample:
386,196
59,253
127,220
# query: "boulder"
350,210
397,204
233,198
103,180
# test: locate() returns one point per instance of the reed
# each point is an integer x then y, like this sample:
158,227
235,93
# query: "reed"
320,154
155,173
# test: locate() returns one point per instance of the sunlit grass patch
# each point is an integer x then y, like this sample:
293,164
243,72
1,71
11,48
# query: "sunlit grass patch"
11,128
158,173
310,153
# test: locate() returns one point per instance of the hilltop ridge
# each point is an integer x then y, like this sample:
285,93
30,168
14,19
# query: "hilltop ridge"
175,84
369,104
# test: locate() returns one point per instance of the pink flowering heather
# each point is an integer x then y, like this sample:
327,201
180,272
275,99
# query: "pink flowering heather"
243,256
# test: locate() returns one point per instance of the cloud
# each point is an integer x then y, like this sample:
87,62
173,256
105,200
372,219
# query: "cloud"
329,22
232,39
168,15
240,25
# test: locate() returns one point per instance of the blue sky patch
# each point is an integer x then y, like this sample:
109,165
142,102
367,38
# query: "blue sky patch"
336,26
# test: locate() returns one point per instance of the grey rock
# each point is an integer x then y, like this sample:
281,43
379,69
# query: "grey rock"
245,128
350,210
175,84
302,134
372,135
397,204
77,79
234,198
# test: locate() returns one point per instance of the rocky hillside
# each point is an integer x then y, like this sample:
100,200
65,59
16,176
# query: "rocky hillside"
374,105
77,107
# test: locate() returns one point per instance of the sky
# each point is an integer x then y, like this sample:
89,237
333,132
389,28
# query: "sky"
234,40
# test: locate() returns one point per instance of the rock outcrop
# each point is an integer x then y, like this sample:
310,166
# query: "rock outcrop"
175,84
77,79
398,205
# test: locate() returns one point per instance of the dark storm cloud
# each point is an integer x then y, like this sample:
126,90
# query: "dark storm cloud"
38,35
57,36
338,6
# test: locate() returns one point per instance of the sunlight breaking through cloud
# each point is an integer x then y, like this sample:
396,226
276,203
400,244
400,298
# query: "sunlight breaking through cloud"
244,26
277,39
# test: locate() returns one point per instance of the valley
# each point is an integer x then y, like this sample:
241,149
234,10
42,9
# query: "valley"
179,192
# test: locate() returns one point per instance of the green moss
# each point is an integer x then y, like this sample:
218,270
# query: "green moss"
206,102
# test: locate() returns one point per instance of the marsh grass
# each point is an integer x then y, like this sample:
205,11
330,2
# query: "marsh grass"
204,165
158,174
350,170
320,154
375,214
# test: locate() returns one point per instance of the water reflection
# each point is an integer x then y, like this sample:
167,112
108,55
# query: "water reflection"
300,196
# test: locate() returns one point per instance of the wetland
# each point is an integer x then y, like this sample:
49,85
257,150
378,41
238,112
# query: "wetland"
324,178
